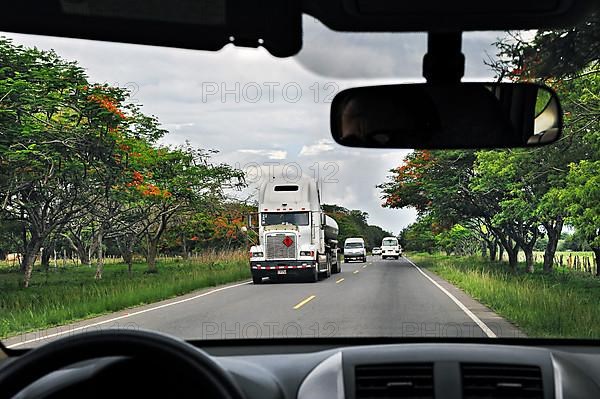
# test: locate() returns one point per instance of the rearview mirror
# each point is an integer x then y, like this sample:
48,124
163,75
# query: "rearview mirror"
464,115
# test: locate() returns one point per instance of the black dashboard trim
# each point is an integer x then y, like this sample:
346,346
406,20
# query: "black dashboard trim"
318,344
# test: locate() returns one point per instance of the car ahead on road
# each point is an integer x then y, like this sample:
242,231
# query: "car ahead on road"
376,251
390,248
354,249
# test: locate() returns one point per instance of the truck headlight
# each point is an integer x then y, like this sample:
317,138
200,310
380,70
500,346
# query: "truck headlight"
257,254
307,253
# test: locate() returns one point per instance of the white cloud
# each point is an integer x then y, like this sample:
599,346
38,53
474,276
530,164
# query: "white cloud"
178,126
324,145
270,154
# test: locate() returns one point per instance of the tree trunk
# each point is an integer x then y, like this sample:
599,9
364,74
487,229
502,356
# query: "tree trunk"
597,259
45,255
153,240
84,255
24,241
127,254
500,253
511,247
492,250
128,258
152,252
77,244
553,237
529,261
100,255
512,259
31,250
184,247
126,245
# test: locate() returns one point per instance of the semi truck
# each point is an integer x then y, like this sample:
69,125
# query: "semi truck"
295,236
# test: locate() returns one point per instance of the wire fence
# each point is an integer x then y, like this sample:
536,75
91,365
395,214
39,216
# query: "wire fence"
578,261
67,260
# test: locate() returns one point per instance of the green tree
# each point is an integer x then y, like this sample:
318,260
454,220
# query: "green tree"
354,223
582,196
180,180
419,236
458,240
55,145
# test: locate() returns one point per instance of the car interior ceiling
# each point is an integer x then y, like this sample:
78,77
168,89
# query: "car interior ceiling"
95,363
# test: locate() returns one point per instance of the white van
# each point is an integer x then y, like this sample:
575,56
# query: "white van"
390,248
354,248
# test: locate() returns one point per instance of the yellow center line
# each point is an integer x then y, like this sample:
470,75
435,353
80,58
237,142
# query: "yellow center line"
356,271
340,280
304,302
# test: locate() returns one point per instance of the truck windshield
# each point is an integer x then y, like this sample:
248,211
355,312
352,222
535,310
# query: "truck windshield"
390,243
354,245
295,218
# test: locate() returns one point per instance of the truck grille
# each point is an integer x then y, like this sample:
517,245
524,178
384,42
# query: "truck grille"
276,247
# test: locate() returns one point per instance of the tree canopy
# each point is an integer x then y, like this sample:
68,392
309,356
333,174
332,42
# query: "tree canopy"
81,163
510,199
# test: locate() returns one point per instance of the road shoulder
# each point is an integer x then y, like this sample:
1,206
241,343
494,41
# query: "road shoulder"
116,320
499,325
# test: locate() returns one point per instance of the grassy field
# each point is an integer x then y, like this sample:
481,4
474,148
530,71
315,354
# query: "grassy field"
563,304
70,293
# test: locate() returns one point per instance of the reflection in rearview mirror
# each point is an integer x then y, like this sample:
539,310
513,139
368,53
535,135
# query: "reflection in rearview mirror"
466,115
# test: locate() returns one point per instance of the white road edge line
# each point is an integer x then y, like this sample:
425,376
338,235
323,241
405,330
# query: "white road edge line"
127,315
476,319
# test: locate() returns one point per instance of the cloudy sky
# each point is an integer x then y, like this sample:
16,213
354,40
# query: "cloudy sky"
263,113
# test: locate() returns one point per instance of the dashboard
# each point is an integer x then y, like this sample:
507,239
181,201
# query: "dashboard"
355,370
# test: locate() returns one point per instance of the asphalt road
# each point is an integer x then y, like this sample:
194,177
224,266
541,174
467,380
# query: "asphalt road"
376,298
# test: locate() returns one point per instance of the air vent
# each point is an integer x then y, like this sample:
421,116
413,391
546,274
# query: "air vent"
394,381
499,381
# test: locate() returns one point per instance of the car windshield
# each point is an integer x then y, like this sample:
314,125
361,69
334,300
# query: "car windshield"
134,176
295,218
354,245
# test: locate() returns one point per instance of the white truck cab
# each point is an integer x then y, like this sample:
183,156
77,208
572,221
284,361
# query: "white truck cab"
354,249
390,248
296,238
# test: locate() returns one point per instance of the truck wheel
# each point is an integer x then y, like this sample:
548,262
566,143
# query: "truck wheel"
327,272
256,280
314,277
336,268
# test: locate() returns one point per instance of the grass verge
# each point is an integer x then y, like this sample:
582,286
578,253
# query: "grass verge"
65,295
564,304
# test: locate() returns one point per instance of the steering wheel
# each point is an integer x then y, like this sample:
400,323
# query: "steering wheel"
141,345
